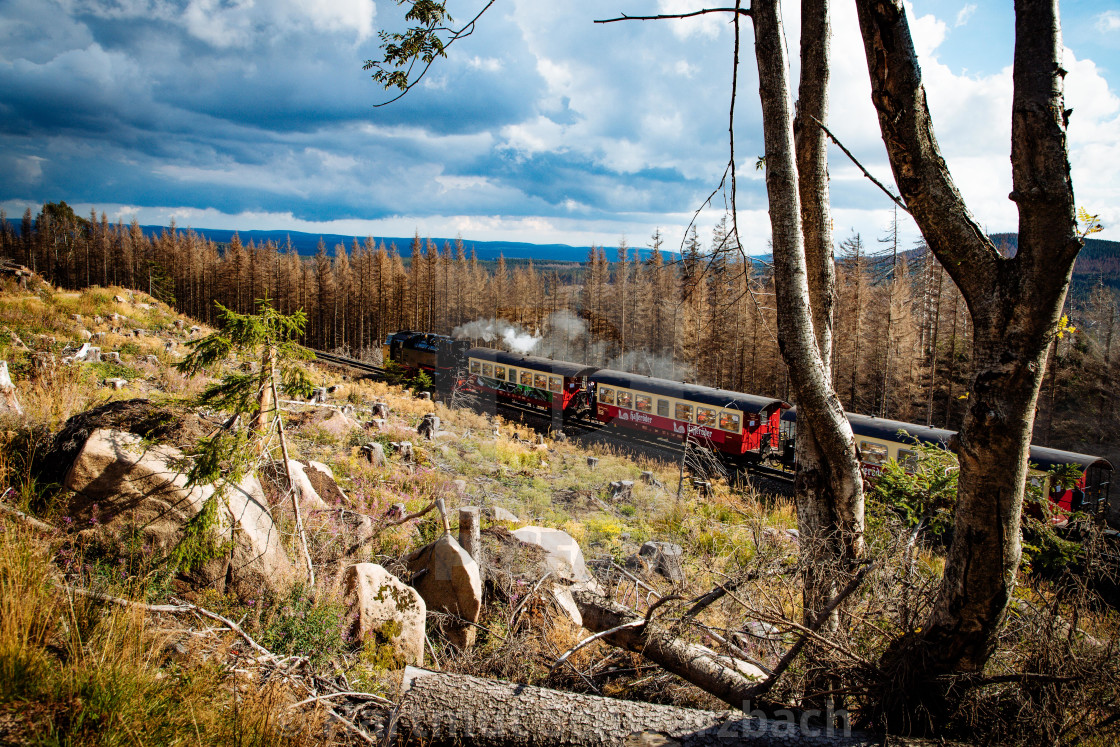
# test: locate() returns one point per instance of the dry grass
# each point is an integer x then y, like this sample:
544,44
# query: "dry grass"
76,671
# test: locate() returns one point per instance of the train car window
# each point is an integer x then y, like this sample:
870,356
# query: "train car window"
526,378
642,403
555,384
488,369
908,460
705,416
625,399
476,367
663,408
729,421
540,381
606,394
500,373
683,412
873,453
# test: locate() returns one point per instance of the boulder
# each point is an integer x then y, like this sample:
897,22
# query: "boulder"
449,581
337,424
665,558
565,558
119,299
88,354
9,402
497,513
116,383
322,479
309,497
385,611
564,600
85,334
121,482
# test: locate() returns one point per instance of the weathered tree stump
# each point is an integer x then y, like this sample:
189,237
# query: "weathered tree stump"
622,490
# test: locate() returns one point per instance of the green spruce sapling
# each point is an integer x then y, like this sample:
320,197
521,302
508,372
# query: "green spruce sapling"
268,339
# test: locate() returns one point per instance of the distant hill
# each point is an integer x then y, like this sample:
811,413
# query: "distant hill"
308,244
1098,262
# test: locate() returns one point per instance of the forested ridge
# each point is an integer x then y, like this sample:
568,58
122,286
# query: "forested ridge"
902,332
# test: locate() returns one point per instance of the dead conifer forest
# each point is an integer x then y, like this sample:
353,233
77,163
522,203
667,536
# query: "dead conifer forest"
705,315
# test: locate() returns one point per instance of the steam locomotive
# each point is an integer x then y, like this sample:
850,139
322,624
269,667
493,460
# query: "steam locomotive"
748,432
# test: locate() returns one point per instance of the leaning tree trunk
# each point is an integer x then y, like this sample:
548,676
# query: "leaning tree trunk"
454,709
829,486
1015,305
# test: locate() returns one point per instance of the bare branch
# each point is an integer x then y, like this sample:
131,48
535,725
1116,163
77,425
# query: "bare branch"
894,198
677,16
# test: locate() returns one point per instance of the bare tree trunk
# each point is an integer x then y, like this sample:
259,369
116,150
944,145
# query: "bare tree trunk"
291,478
828,486
1014,304
437,708
695,664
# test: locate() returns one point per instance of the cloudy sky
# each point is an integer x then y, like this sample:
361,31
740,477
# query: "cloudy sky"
541,127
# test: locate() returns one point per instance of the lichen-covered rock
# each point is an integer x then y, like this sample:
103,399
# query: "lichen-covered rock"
385,611
121,483
449,580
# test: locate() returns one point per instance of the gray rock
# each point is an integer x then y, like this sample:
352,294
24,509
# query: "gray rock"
497,513
9,401
119,299
85,334
120,482
565,558
424,395
88,354
449,581
116,383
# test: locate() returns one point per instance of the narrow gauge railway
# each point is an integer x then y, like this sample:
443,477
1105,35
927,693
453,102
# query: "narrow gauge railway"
748,433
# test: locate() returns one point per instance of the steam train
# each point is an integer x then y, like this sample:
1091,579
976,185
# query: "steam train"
748,432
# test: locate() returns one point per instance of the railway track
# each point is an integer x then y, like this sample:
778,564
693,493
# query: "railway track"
341,360
591,430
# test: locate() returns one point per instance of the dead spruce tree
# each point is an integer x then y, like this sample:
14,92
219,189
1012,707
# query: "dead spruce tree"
267,341
1015,304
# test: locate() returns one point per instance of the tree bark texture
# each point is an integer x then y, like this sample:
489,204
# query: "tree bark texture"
690,662
455,709
829,486
1015,305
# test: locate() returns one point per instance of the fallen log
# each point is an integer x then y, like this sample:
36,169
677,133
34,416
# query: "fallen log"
437,708
699,665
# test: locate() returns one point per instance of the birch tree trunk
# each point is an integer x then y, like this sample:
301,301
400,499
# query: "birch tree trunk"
1014,305
828,485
